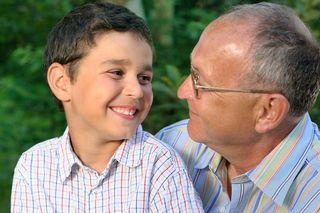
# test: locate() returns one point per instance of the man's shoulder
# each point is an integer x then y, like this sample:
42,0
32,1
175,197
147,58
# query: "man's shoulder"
176,135
175,132
313,157
306,186
173,128
194,154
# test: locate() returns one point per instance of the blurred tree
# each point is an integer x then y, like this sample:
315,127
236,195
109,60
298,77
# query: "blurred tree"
134,5
28,114
162,18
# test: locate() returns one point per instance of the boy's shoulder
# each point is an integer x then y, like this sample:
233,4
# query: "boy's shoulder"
48,146
158,145
39,153
161,151
45,146
39,150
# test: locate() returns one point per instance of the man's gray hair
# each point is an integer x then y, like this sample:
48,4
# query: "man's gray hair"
284,56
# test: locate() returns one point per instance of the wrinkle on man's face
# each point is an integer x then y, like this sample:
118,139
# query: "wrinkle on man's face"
223,50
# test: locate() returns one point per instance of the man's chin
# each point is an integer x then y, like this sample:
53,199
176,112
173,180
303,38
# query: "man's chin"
193,131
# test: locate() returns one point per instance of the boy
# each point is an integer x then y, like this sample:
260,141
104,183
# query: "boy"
99,67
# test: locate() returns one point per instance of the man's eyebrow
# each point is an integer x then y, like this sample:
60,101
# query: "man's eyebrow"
191,66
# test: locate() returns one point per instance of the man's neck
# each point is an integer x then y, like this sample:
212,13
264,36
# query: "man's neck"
245,157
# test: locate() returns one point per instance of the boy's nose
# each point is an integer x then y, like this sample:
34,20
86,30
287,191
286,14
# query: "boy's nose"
133,89
185,90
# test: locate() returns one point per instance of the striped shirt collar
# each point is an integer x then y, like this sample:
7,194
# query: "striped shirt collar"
204,157
129,153
275,174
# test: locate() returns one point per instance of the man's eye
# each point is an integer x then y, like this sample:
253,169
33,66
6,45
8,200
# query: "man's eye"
195,75
144,79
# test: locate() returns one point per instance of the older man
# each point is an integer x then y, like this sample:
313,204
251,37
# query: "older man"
255,74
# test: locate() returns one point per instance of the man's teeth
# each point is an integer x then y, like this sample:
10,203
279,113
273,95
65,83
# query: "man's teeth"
124,111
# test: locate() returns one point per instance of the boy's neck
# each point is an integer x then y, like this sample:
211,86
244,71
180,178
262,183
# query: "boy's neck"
92,154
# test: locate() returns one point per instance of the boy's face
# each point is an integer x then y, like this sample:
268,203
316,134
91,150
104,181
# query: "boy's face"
112,92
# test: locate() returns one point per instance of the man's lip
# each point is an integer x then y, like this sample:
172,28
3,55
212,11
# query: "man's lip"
192,112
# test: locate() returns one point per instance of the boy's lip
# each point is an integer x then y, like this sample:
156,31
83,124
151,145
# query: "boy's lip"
127,112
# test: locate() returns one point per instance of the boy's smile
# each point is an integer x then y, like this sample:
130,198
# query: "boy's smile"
126,112
112,92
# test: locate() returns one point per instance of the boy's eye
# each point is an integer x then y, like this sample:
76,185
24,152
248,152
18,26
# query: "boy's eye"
144,79
117,74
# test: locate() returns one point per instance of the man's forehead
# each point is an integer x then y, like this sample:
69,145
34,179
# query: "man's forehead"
230,26
230,35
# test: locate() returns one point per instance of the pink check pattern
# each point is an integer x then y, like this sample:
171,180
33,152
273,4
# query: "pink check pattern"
144,175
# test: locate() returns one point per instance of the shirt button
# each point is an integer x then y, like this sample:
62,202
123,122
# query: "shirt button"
222,209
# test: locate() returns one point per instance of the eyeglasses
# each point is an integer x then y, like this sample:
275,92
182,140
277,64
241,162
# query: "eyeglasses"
196,86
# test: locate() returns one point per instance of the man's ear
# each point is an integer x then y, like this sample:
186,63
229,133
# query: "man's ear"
59,81
272,110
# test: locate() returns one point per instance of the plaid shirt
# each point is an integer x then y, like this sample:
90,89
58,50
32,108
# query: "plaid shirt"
144,175
286,180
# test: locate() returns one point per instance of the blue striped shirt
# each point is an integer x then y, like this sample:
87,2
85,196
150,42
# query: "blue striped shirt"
286,180
144,175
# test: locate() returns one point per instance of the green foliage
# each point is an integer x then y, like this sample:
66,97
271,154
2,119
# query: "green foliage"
165,102
28,112
173,64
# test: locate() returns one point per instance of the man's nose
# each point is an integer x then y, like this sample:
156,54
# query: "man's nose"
185,90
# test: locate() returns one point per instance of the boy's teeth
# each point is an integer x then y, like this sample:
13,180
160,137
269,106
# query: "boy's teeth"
124,111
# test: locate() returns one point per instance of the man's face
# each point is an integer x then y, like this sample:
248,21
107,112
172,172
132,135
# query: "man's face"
220,59
112,92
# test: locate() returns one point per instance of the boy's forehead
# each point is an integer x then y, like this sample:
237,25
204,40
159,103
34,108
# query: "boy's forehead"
107,33
112,37
120,48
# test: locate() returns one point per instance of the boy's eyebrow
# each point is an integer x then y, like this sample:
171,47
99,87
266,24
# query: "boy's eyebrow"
147,67
117,61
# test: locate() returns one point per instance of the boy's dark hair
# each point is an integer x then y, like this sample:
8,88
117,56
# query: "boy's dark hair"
73,36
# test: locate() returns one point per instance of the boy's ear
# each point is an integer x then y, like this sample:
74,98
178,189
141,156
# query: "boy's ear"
59,81
272,110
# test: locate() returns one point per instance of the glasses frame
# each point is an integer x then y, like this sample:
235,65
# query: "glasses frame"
196,86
